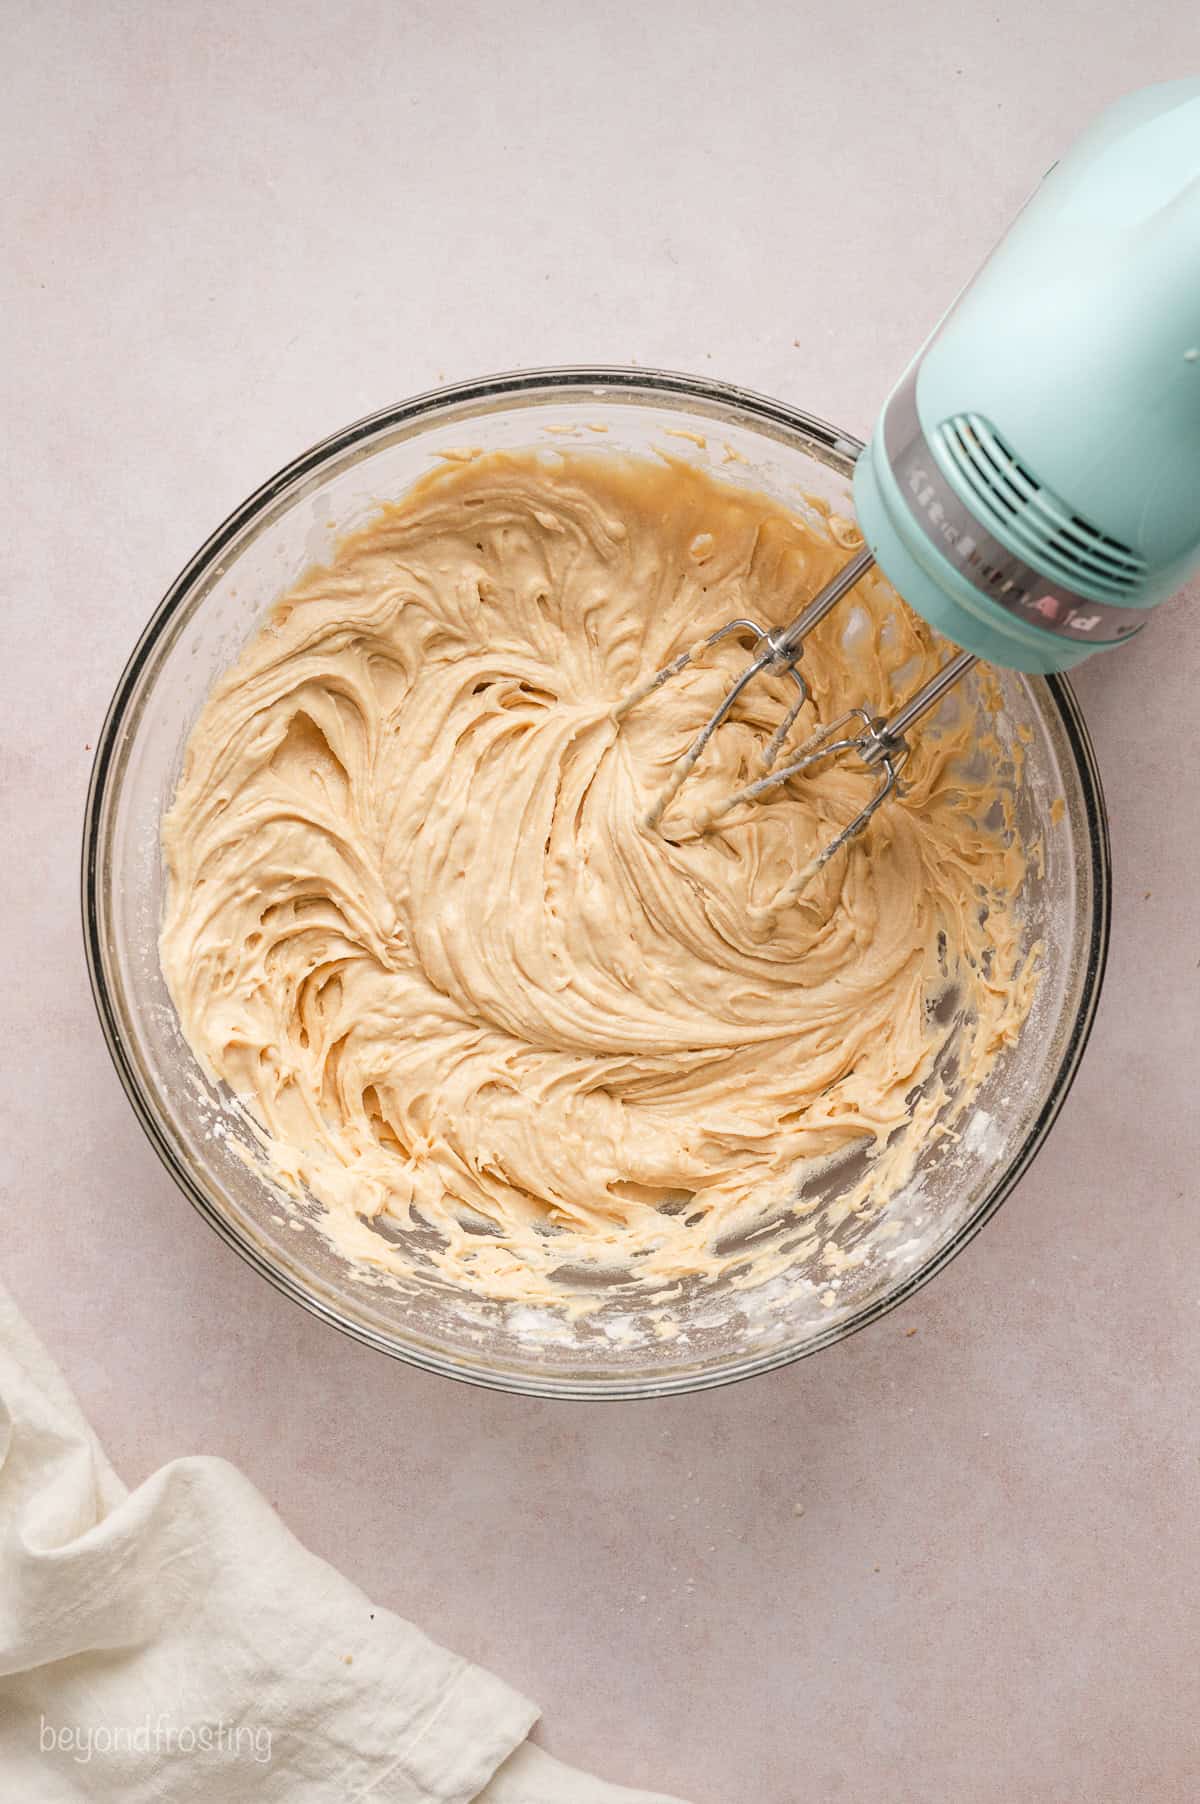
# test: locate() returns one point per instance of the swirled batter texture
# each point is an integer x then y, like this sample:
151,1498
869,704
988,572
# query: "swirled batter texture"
415,921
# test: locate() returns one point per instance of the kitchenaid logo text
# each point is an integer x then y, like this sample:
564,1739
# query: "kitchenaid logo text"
966,552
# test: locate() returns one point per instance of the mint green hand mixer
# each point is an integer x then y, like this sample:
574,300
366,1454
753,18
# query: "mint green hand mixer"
1032,488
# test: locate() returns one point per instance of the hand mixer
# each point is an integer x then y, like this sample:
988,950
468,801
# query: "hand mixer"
1032,488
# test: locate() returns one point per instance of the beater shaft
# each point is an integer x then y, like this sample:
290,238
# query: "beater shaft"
889,733
782,647
788,642
881,745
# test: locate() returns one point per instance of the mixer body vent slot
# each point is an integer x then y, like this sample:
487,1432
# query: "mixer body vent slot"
1030,518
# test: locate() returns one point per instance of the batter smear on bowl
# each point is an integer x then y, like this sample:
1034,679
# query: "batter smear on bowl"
418,927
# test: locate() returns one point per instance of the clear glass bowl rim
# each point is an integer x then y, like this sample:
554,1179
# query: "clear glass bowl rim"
840,449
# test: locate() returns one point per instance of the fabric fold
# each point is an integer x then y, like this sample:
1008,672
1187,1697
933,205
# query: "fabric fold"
176,1643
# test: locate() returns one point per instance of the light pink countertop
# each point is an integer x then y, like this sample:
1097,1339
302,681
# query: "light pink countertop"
955,1566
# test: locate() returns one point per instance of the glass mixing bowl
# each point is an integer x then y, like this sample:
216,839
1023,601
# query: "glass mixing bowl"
699,1338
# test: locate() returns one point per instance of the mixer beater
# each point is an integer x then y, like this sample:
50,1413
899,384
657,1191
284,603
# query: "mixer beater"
880,744
1031,486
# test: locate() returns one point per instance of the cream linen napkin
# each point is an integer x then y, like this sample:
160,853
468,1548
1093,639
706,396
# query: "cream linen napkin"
177,1643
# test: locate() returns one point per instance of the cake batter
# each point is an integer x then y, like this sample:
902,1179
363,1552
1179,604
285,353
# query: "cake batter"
416,921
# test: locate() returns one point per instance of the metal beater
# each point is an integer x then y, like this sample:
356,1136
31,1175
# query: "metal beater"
1032,487
880,744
